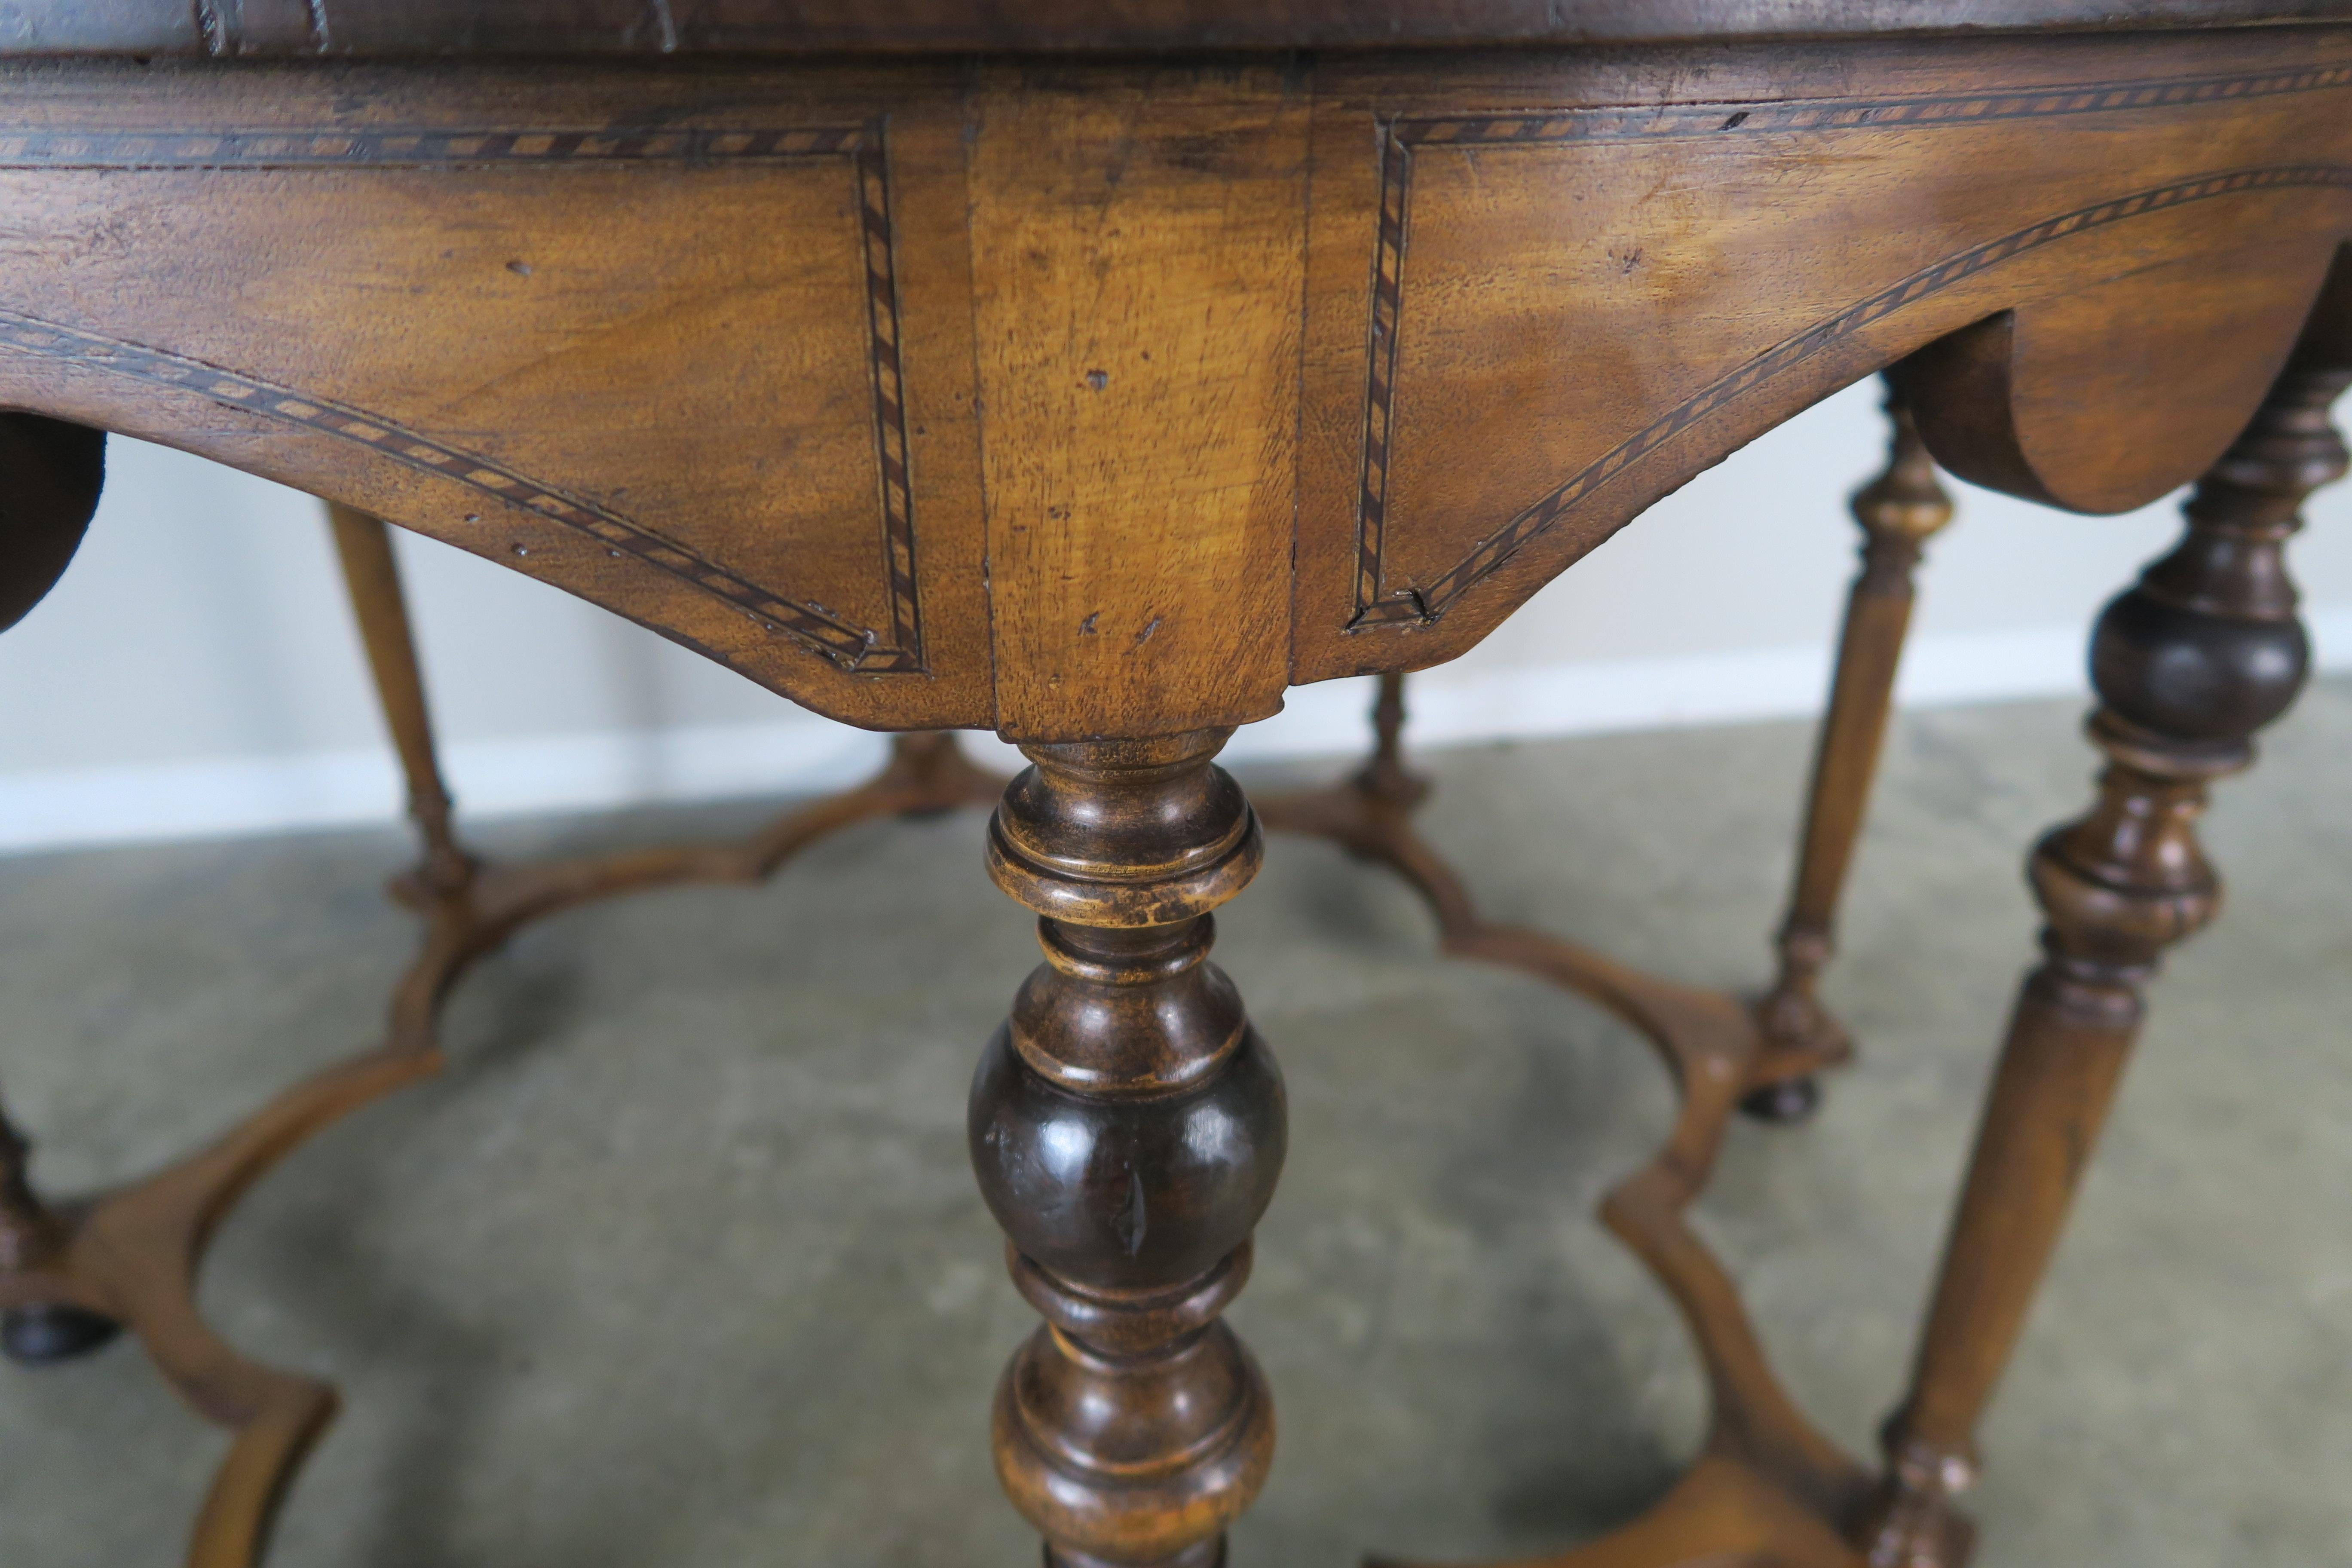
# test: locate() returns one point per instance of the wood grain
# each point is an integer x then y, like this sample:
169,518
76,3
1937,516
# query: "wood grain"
1128,1125
2029,401
244,28
563,336
1137,259
1062,372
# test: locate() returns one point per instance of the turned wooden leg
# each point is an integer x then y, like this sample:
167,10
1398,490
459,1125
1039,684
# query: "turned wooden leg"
1899,510
52,473
1383,776
373,578
2188,664
1127,1126
31,1238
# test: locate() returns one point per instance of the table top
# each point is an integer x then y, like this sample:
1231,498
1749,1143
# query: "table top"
354,29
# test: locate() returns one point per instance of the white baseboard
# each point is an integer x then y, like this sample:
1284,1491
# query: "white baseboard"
217,797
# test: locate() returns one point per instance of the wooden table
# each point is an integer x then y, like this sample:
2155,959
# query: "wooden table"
1093,372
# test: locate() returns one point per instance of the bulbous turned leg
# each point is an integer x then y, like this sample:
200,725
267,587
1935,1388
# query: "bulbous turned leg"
30,1236
928,772
2188,664
1127,1126
46,1335
1899,510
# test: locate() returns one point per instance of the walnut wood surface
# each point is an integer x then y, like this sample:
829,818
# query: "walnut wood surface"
1128,1125
1096,400
2188,664
246,29
1072,368
1899,511
371,580
131,1256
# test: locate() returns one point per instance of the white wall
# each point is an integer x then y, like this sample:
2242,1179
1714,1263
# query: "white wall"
196,672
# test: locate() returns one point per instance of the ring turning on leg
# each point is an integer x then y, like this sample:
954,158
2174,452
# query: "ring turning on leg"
1127,1127
2203,652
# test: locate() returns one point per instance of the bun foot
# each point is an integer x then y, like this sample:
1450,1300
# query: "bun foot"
40,1335
1785,1103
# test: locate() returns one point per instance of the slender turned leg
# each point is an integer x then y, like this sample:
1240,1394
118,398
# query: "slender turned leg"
1899,511
30,1238
1383,776
2188,664
1127,1126
927,773
373,578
